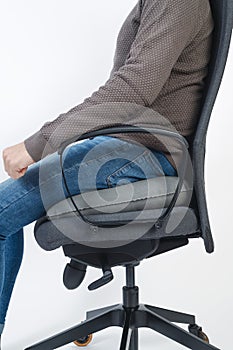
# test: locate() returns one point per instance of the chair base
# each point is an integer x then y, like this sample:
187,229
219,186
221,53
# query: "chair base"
131,316
131,319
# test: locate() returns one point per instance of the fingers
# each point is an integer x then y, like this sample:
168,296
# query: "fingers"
22,172
17,174
12,166
16,160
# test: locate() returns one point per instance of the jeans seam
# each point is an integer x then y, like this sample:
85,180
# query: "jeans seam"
124,166
16,200
29,191
152,162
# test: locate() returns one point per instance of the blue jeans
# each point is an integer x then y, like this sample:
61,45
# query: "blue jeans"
100,162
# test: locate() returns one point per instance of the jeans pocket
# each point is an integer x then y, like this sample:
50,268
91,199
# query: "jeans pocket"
143,166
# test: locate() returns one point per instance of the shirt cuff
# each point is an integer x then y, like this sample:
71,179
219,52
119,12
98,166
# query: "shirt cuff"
37,146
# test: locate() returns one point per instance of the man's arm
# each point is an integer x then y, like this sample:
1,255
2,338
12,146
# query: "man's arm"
166,27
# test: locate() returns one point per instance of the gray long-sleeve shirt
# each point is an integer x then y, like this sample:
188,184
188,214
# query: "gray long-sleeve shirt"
161,59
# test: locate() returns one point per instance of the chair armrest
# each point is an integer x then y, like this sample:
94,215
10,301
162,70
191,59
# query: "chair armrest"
133,129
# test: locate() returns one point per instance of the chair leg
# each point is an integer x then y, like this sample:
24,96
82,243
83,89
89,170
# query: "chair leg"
112,317
93,313
147,318
127,331
134,340
172,316
129,340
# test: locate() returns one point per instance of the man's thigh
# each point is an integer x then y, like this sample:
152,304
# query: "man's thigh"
100,162
108,163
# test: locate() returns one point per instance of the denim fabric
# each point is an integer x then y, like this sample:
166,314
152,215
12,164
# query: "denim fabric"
100,162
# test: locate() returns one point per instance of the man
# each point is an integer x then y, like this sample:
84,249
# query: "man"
160,63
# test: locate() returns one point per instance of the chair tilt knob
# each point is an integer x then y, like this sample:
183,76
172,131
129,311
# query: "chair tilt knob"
106,278
74,274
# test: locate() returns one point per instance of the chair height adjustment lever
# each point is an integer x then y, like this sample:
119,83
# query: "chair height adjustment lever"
106,278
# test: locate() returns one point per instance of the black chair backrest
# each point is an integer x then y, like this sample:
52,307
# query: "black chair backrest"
222,11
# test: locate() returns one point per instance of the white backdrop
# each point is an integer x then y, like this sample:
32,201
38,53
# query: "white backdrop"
55,53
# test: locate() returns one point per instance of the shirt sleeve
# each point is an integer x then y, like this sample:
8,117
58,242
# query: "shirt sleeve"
126,37
165,28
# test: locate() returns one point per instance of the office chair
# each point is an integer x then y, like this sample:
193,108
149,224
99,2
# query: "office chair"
93,227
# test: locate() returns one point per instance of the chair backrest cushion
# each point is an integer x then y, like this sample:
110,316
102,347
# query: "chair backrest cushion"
222,11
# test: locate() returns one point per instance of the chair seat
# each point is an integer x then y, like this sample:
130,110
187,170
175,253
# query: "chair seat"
134,206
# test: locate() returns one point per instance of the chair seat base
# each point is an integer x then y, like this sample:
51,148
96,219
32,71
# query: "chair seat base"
130,319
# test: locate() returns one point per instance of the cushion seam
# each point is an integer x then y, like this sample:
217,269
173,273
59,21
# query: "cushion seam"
134,200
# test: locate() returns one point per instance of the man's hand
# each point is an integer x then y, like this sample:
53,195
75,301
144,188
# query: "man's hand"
16,160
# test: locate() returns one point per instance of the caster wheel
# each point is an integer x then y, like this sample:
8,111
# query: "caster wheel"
204,337
197,331
84,341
